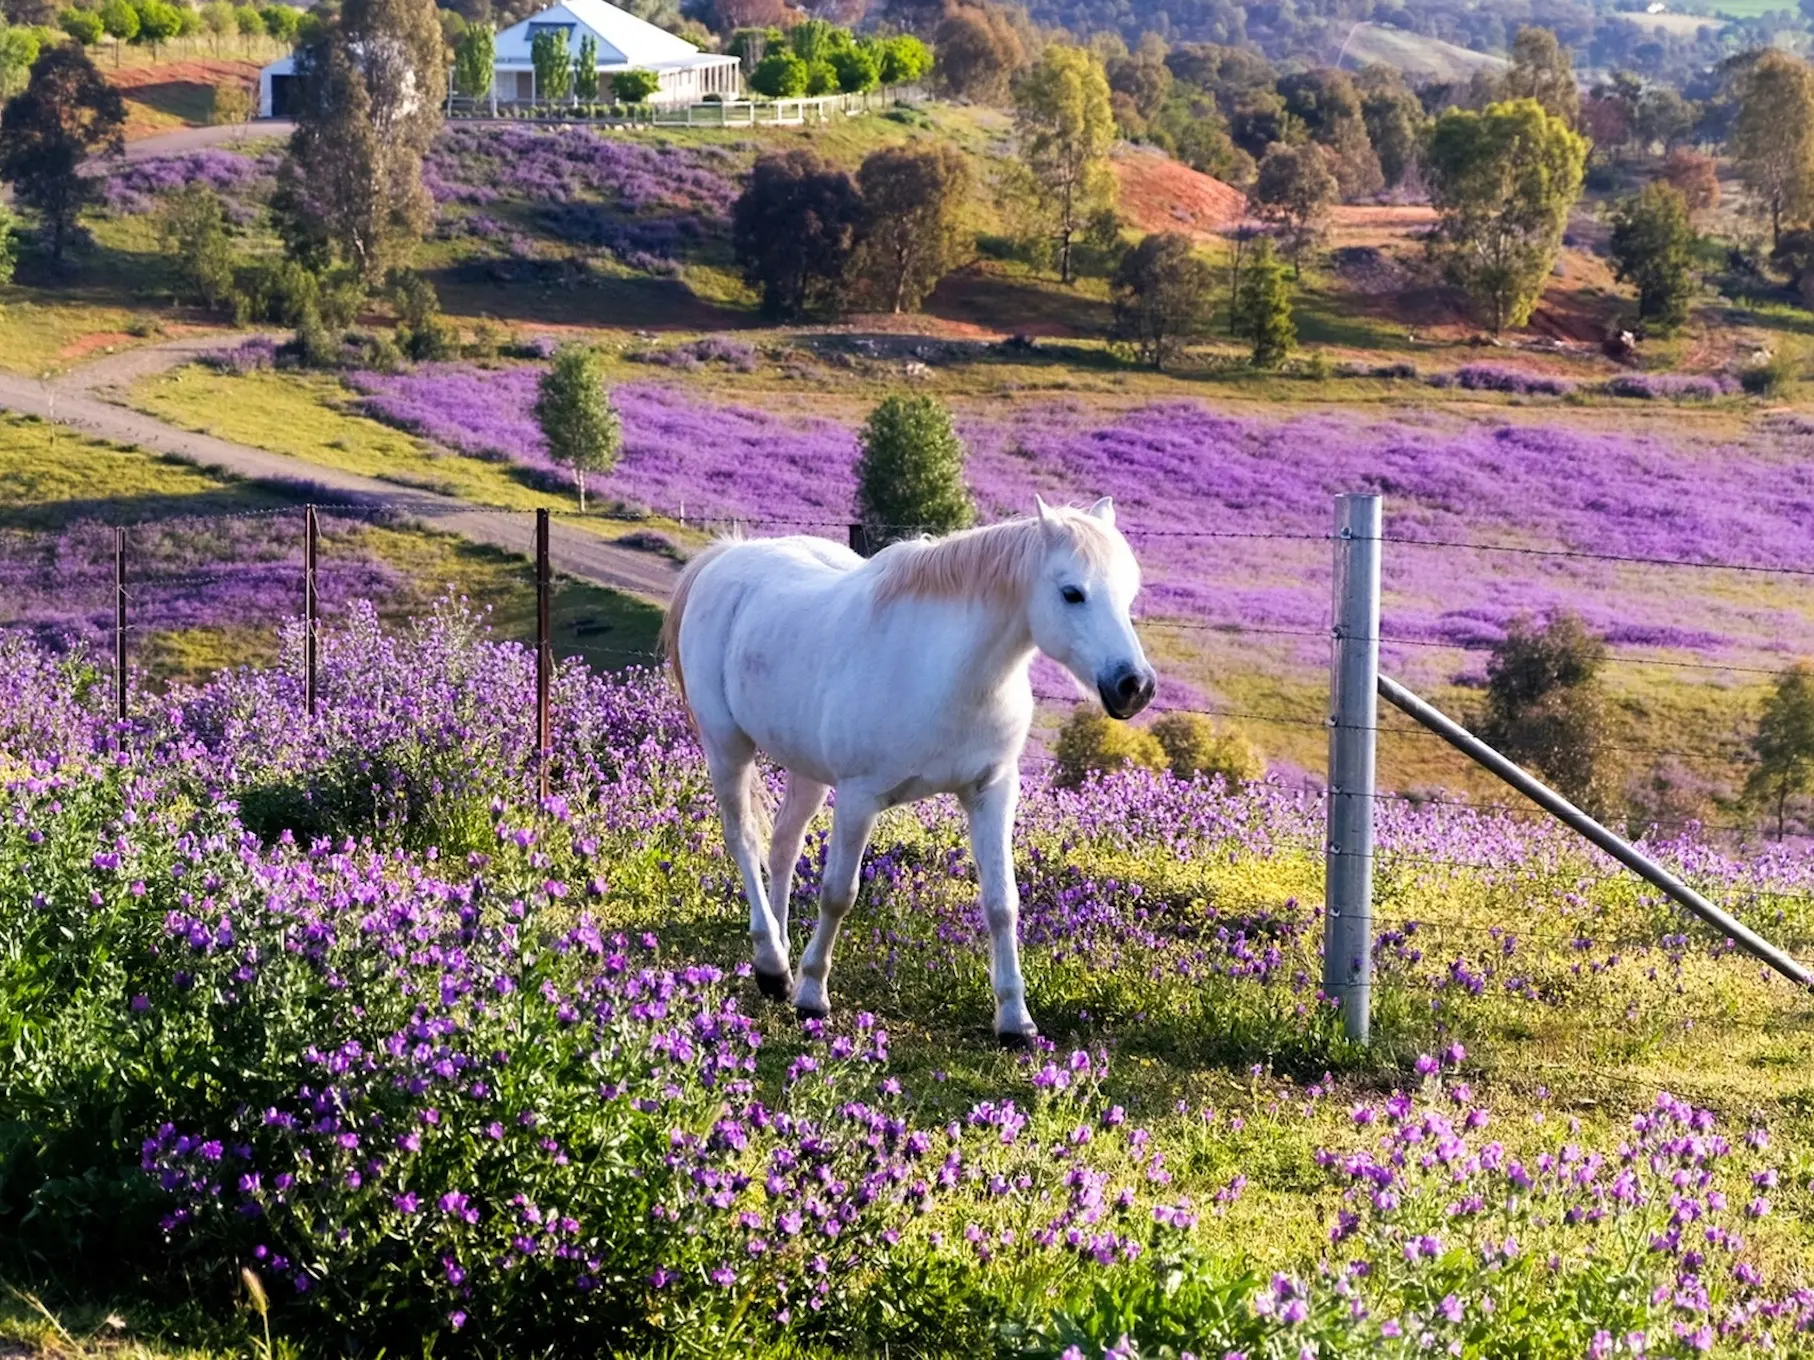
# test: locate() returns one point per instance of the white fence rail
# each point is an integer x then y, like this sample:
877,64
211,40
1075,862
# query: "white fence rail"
709,114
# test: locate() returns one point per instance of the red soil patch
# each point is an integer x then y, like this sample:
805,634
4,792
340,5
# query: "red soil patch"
177,93
1159,194
88,344
209,73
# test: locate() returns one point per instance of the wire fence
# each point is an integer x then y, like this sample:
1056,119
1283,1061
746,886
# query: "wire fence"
239,569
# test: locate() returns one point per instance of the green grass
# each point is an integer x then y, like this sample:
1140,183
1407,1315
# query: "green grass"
309,415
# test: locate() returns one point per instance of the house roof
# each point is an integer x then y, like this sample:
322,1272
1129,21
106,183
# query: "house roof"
622,38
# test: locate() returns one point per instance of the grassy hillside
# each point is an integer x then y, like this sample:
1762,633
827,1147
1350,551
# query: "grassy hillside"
214,565
1414,54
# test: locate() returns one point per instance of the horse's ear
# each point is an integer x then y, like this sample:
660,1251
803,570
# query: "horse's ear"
1104,510
1048,522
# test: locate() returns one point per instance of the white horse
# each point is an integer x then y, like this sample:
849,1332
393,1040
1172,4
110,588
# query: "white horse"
892,680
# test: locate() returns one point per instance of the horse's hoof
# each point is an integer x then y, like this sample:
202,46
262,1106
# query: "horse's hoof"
805,1013
1016,1042
774,986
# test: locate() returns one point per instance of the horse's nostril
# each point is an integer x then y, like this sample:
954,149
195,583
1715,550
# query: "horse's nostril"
1130,686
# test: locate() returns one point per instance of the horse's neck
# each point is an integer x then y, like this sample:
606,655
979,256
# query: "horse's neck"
994,645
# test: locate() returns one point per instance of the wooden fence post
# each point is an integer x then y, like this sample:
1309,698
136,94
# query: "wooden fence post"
119,635
544,653
311,607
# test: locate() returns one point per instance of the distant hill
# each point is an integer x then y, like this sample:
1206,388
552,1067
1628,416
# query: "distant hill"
1414,55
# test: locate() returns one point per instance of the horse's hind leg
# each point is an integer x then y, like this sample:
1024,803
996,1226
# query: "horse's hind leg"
851,822
733,765
804,798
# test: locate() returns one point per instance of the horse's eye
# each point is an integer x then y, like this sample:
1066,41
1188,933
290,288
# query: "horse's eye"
1072,595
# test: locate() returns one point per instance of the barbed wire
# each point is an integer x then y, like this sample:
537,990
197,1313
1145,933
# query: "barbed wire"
1590,556
1613,657
721,515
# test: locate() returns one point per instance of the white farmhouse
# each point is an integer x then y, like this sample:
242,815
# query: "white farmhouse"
625,43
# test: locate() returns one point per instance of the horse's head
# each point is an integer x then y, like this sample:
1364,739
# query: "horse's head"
1077,606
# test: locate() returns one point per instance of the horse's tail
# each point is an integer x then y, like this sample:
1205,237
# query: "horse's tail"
677,608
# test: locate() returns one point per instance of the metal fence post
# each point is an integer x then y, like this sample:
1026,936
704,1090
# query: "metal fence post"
119,634
544,652
1353,720
311,607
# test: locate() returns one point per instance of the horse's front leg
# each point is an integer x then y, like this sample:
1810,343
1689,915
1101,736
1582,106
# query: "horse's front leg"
851,822
991,811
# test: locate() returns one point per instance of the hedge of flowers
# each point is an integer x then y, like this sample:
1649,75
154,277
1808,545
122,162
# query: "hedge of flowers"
1498,378
342,1004
1672,386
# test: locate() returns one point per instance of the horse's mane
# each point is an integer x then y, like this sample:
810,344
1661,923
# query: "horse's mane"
996,561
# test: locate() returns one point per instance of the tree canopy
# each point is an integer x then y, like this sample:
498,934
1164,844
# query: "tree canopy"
1162,296
1066,126
67,112
912,196
793,228
1773,140
910,474
371,84
576,416
1653,249
1503,181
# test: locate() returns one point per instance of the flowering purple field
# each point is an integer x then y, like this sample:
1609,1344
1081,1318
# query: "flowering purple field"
646,203
480,165
1181,468
241,180
234,572
495,1076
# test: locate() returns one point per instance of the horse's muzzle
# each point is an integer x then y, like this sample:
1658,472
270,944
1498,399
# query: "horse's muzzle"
1126,691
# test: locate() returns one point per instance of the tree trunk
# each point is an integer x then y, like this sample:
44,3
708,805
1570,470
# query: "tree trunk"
1782,806
1064,255
579,475
1776,221
1234,291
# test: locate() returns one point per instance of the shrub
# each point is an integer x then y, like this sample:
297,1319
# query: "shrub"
230,101
281,293
910,474
1263,308
1497,378
1669,386
1544,705
1767,375
780,75
634,87
1091,742
1194,746
422,332
1652,248
249,356
195,236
